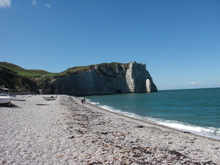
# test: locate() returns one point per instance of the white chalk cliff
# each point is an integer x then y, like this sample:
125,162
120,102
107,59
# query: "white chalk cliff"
106,79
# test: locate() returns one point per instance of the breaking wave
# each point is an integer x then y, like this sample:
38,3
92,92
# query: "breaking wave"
210,132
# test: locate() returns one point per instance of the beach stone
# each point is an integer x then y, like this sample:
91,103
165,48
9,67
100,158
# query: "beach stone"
67,132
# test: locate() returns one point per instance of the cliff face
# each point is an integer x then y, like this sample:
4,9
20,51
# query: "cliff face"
106,79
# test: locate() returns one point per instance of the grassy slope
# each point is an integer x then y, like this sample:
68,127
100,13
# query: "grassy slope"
31,72
18,78
25,72
40,78
16,82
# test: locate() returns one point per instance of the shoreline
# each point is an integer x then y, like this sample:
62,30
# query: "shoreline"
181,134
156,124
68,132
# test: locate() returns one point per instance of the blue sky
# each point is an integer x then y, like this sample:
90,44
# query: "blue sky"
178,40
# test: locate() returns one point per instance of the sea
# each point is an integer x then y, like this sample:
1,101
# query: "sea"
192,110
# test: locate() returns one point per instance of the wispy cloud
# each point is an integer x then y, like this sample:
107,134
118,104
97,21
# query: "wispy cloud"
5,3
34,2
48,5
195,83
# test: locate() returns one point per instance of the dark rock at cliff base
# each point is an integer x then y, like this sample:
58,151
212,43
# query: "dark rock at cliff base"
106,79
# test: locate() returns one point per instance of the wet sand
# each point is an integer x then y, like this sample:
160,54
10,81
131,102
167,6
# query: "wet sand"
66,131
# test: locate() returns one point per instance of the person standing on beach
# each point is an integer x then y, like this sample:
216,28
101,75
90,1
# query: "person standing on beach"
83,101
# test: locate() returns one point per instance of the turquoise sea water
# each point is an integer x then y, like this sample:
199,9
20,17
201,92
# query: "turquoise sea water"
194,110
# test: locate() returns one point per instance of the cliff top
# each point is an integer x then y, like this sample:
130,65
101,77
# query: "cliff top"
16,77
81,69
24,72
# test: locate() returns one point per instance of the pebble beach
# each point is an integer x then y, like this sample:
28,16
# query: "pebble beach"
67,132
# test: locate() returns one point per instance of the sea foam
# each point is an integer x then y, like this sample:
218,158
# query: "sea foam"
202,131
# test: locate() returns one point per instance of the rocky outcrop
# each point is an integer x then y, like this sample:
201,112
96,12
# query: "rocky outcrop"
106,79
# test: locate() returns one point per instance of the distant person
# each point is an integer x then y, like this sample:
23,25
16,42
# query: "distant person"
83,101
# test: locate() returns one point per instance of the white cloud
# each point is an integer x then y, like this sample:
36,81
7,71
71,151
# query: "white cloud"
34,2
194,83
48,5
5,3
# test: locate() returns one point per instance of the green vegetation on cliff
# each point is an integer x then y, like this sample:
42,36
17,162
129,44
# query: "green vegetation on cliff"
16,82
24,72
81,69
18,79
